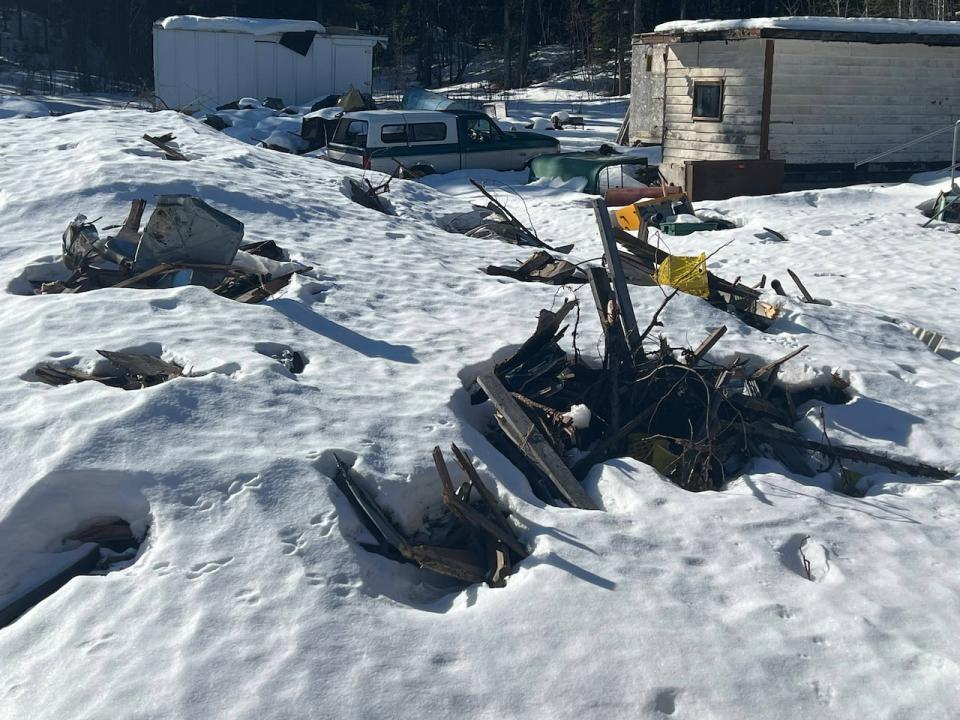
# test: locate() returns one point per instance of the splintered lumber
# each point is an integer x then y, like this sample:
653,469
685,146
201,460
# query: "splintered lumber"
778,433
651,254
772,368
468,513
140,365
482,490
370,513
615,268
524,434
712,339
163,142
807,297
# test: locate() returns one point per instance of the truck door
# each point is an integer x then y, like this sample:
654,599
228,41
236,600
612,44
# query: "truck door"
483,145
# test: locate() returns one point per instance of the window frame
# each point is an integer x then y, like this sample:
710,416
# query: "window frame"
344,138
718,83
405,134
412,133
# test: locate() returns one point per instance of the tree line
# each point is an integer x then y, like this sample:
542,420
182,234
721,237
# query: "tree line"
435,39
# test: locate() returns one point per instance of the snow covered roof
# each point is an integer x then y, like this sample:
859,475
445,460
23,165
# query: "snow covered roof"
249,26
821,27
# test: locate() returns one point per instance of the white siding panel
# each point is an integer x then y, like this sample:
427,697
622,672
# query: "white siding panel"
266,68
228,68
185,56
844,102
737,135
246,67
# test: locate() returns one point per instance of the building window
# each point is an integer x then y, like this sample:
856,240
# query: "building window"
708,100
649,61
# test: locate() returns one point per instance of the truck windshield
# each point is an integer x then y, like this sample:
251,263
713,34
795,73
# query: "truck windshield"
351,132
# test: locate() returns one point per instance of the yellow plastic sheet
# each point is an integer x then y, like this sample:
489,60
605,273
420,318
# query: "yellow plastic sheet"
686,274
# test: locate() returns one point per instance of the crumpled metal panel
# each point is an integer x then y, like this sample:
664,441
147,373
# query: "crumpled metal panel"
184,229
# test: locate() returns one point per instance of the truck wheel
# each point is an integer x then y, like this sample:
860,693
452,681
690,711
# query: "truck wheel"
419,171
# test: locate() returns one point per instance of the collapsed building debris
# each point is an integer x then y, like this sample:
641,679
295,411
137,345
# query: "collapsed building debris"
541,267
185,242
697,422
130,371
504,225
95,548
476,543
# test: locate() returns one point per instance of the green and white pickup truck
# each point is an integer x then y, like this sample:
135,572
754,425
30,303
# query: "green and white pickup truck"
428,141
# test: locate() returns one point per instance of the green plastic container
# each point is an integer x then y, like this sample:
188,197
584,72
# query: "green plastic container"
687,228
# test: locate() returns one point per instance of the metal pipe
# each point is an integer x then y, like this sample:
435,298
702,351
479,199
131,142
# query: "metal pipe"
953,159
906,145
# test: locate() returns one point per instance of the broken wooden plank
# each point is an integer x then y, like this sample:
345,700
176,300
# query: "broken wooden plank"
468,513
807,297
483,491
778,433
615,267
521,430
772,367
712,339
163,142
142,365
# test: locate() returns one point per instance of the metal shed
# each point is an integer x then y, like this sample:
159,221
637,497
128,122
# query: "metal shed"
209,61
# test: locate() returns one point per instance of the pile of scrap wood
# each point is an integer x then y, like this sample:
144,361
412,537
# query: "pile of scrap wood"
476,543
541,267
697,422
130,371
185,242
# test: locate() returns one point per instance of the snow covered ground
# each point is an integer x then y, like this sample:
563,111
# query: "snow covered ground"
251,598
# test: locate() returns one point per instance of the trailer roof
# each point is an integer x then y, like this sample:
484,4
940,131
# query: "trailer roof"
247,26
826,29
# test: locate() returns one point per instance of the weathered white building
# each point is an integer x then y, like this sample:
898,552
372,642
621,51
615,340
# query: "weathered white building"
799,98
202,61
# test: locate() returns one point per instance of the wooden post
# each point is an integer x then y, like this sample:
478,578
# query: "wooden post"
624,305
767,100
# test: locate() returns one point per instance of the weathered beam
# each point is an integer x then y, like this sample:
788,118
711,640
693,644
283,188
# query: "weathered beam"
615,267
524,434
712,339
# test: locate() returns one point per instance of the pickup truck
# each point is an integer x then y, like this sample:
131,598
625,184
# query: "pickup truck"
429,141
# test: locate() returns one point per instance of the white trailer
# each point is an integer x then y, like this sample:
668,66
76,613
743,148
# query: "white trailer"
209,61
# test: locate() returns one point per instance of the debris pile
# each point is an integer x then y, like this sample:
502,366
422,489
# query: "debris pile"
474,544
670,213
130,371
496,221
185,242
541,267
697,422
96,548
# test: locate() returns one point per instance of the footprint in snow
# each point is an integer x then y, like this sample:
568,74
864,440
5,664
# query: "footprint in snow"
665,701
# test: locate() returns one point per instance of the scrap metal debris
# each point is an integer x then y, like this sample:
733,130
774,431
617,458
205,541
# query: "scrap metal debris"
478,544
185,242
130,371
